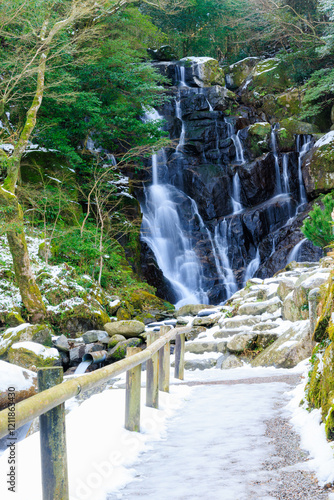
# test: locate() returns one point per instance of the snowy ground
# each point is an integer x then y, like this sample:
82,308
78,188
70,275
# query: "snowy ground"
204,438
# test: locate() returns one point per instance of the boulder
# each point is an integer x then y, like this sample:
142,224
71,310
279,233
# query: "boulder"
192,309
290,311
199,364
289,128
289,349
119,351
240,71
28,354
128,329
62,344
94,336
241,342
302,288
205,321
201,347
82,318
318,167
270,74
255,308
231,362
205,71
285,287
25,332
24,381
115,339
259,138
241,321
224,334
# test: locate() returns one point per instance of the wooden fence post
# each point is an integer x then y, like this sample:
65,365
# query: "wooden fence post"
132,396
53,440
152,374
179,356
164,362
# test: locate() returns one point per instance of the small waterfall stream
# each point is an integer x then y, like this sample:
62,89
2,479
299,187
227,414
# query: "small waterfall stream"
275,153
83,367
303,145
295,251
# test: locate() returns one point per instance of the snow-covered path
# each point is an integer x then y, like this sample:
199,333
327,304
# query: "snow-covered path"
227,437
214,447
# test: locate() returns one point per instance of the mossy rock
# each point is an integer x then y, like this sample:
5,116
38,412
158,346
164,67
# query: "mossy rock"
81,318
128,329
115,339
290,311
259,138
145,301
123,314
289,128
318,170
313,387
206,71
119,351
270,74
145,318
25,332
14,319
327,381
238,72
329,426
325,309
28,354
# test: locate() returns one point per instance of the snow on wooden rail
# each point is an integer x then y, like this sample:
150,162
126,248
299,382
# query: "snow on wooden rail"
48,404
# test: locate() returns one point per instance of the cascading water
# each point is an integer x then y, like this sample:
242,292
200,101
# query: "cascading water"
237,207
221,242
252,267
303,145
164,229
295,251
275,153
204,249
239,150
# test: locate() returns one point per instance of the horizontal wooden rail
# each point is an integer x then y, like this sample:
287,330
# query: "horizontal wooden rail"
42,402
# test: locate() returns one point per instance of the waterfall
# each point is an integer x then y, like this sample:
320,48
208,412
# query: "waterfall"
286,174
166,232
181,74
303,145
277,170
295,251
239,150
252,267
221,241
237,207
178,112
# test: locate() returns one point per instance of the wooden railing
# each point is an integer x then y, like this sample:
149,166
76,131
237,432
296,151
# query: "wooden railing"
48,404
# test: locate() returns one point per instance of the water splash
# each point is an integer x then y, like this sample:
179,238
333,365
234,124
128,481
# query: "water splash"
83,367
252,267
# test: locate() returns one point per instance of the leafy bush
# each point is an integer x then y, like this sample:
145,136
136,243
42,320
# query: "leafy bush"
318,226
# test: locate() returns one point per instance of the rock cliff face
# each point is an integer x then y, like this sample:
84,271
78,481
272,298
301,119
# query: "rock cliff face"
236,195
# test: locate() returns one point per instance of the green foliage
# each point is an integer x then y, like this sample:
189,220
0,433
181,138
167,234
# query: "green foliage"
318,226
206,27
319,94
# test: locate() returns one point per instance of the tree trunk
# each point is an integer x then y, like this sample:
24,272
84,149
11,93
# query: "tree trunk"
30,294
